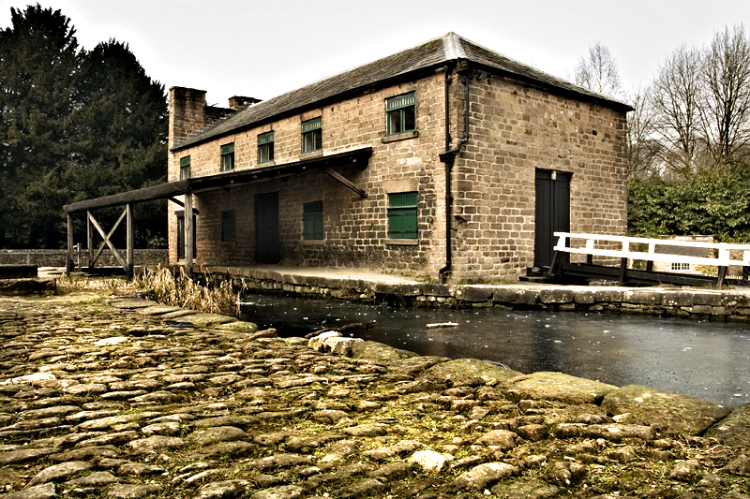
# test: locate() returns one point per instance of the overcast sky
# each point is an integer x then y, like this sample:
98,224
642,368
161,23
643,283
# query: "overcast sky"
263,48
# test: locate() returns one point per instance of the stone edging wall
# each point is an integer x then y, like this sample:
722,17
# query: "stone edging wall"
730,304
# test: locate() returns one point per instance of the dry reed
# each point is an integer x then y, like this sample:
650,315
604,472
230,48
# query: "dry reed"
182,291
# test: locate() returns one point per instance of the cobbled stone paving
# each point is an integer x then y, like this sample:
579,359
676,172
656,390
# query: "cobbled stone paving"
97,401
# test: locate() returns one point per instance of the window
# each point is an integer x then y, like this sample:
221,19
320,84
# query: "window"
680,266
227,157
312,221
184,167
402,215
400,113
227,226
312,135
265,147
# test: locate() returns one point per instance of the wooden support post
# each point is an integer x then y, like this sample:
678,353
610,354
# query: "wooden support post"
721,275
89,240
650,263
189,229
130,240
69,254
623,271
554,266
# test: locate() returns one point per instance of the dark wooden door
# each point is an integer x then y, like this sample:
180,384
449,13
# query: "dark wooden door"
267,228
552,191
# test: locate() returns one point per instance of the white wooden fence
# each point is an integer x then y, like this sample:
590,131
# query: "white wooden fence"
630,248
723,258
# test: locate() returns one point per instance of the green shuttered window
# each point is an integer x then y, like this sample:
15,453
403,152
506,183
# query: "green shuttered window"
402,215
312,135
312,221
227,157
227,226
265,147
184,167
401,113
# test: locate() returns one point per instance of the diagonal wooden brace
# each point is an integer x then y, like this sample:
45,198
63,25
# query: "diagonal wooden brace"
106,240
348,183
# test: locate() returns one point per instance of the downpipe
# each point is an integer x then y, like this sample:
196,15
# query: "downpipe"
449,158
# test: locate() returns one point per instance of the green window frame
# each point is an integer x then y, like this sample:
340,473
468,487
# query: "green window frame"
312,221
184,167
227,157
312,135
402,215
265,147
228,226
401,115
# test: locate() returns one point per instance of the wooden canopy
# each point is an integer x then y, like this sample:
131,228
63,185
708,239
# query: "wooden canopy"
188,187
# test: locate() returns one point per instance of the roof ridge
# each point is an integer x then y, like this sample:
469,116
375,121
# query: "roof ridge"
453,46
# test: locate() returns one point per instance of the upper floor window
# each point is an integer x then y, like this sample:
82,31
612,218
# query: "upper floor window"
312,221
402,215
227,157
265,147
312,135
184,167
401,113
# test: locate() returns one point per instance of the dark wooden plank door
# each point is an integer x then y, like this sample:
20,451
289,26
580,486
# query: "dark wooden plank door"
267,228
552,191
181,235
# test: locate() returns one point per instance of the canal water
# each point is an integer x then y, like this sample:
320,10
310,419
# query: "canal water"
709,360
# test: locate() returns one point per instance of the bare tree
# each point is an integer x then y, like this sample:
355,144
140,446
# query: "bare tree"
643,146
725,103
675,98
598,71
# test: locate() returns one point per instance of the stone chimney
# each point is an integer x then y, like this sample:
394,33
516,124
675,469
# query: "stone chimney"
237,101
188,113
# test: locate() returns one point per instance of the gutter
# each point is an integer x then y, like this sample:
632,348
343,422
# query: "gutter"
449,158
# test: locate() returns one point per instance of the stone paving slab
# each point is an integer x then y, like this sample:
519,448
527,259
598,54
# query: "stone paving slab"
98,401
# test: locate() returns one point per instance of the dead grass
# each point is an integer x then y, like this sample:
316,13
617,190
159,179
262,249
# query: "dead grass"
182,291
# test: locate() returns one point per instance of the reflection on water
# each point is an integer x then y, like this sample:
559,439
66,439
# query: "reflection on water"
710,360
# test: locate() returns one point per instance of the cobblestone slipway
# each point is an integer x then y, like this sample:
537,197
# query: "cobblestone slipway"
124,399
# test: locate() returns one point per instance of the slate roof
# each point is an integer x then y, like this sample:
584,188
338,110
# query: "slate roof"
424,57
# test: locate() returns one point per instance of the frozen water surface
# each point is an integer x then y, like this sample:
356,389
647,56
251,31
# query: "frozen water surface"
710,360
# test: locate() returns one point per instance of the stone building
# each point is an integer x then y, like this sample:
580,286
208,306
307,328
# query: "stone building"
385,166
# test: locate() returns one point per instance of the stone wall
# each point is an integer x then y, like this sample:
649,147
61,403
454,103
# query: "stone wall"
730,304
515,129
56,258
356,229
